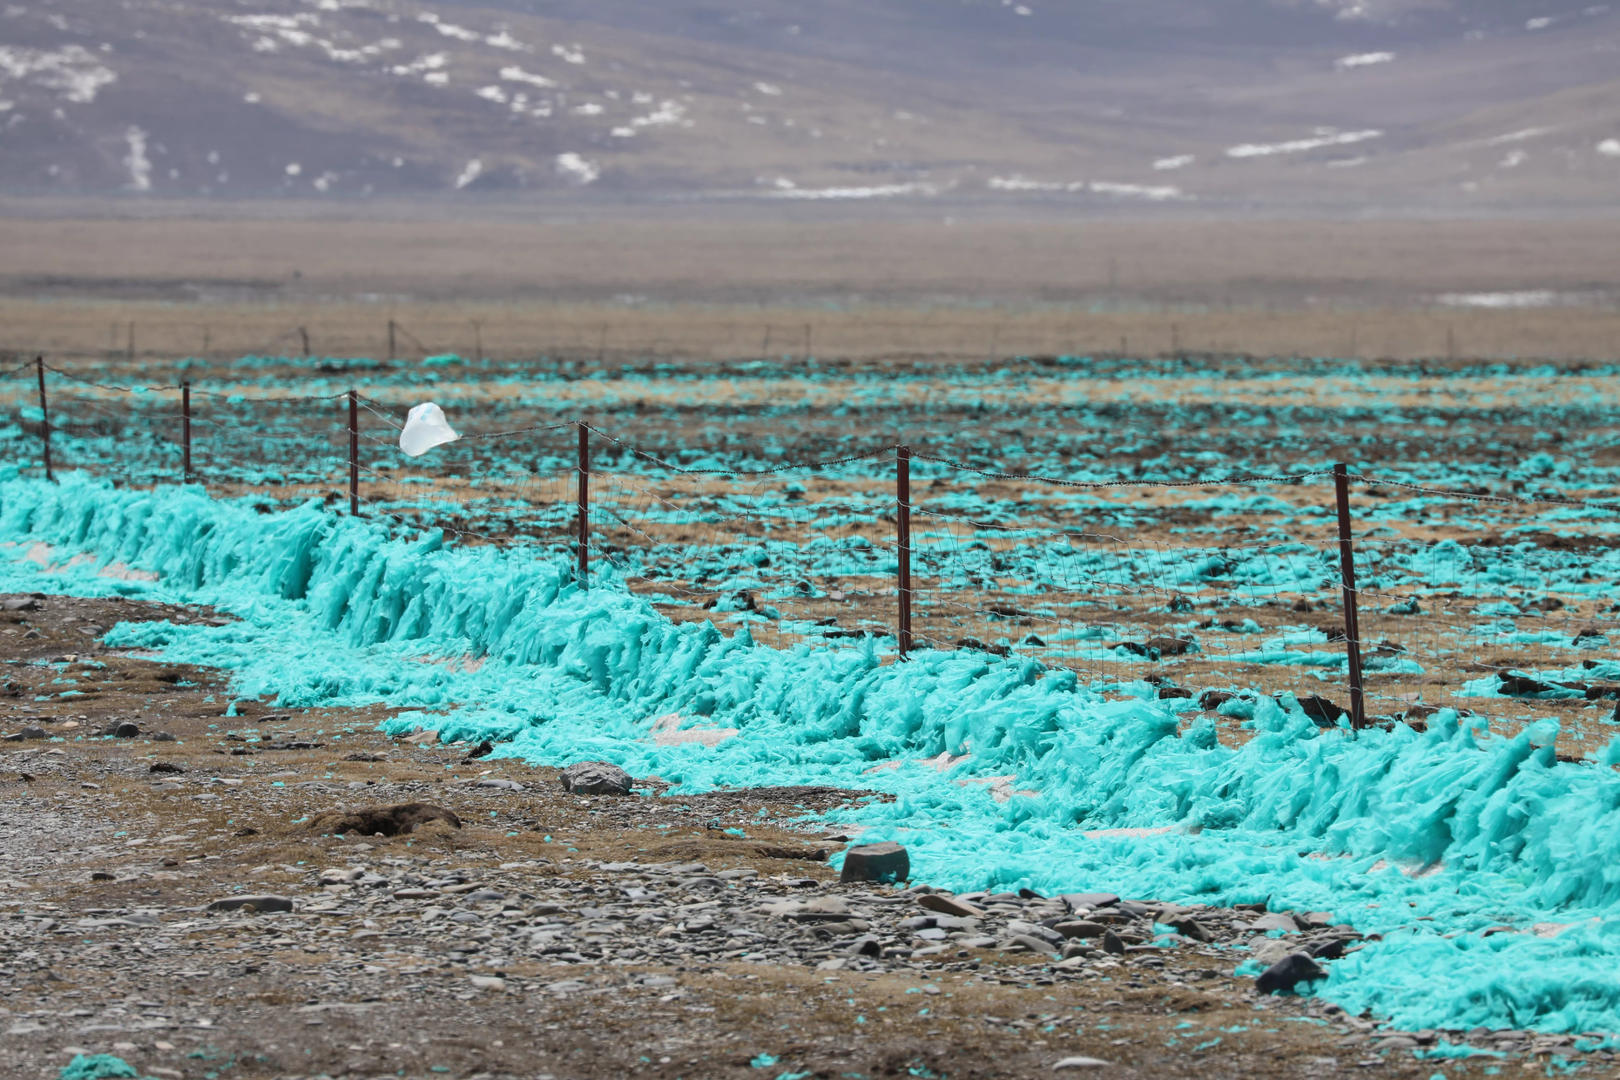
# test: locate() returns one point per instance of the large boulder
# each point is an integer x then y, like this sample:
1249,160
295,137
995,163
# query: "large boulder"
596,778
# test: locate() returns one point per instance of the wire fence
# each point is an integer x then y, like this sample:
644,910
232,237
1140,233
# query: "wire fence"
1212,591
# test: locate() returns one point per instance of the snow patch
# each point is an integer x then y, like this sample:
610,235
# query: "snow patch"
472,171
768,89
136,161
517,74
1609,148
1528,298
576,168
569,54
877,191
1180,161
1344,63
73,72
1296,146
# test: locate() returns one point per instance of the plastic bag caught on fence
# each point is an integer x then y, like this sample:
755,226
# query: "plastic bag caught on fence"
425,428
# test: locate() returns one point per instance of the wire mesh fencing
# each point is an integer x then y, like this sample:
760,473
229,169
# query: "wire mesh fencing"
1367,597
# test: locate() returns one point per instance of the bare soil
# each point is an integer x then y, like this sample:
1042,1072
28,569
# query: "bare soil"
111,847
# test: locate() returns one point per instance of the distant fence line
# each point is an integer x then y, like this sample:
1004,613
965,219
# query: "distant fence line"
959,334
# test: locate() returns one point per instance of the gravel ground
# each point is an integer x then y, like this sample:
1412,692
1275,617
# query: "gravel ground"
173,895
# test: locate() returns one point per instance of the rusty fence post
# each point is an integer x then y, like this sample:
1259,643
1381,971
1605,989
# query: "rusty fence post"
584,523
44,419
1352,625
185,431
354,454
902,494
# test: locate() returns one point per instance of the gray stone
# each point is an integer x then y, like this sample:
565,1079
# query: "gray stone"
1033,944
885,862
259,904
596,778
164,736
1080,928
1274,920
949,905
1089,901
1288,973
1080,1063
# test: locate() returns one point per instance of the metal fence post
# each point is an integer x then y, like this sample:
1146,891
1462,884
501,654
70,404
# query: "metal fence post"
902,493
354,454
1352,626
44,419
185,430
584,505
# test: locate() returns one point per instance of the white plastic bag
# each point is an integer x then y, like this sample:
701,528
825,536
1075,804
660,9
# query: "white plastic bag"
425,428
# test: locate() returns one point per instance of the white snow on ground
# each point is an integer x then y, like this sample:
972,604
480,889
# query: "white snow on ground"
1180,161
1609,148
571,54
293,168
427,62
437,78
578,169
504,40
1538,24
1514,159
1517,136
517,74
72,71
590,108
460,33
1344,63
473,170
1153,193
1346,163
1296,146
877,191
1529,298
492,93
1024,183
768,89
136,161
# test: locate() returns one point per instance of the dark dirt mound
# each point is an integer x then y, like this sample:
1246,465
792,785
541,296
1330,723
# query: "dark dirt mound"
387,820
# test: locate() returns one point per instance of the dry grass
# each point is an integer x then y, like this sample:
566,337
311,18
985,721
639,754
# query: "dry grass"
721,288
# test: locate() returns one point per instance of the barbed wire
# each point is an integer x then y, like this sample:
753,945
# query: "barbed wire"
783,467
1208,481
1478,496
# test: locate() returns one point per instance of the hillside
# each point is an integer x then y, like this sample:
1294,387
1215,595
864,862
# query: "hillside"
1332,106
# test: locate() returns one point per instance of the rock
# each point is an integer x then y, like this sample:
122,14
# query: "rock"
164,736
1080,1063
122,729
260,904
1288,973
1273,920
499,785
387,820
1053,939
1170,646
423,738
865,945
483,749
884,862
30,732
1034,944
1324,713
1111,943
487,982
949,905
165,767
19,603
596,778
1089,901
1081,928
365,755
1190,928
